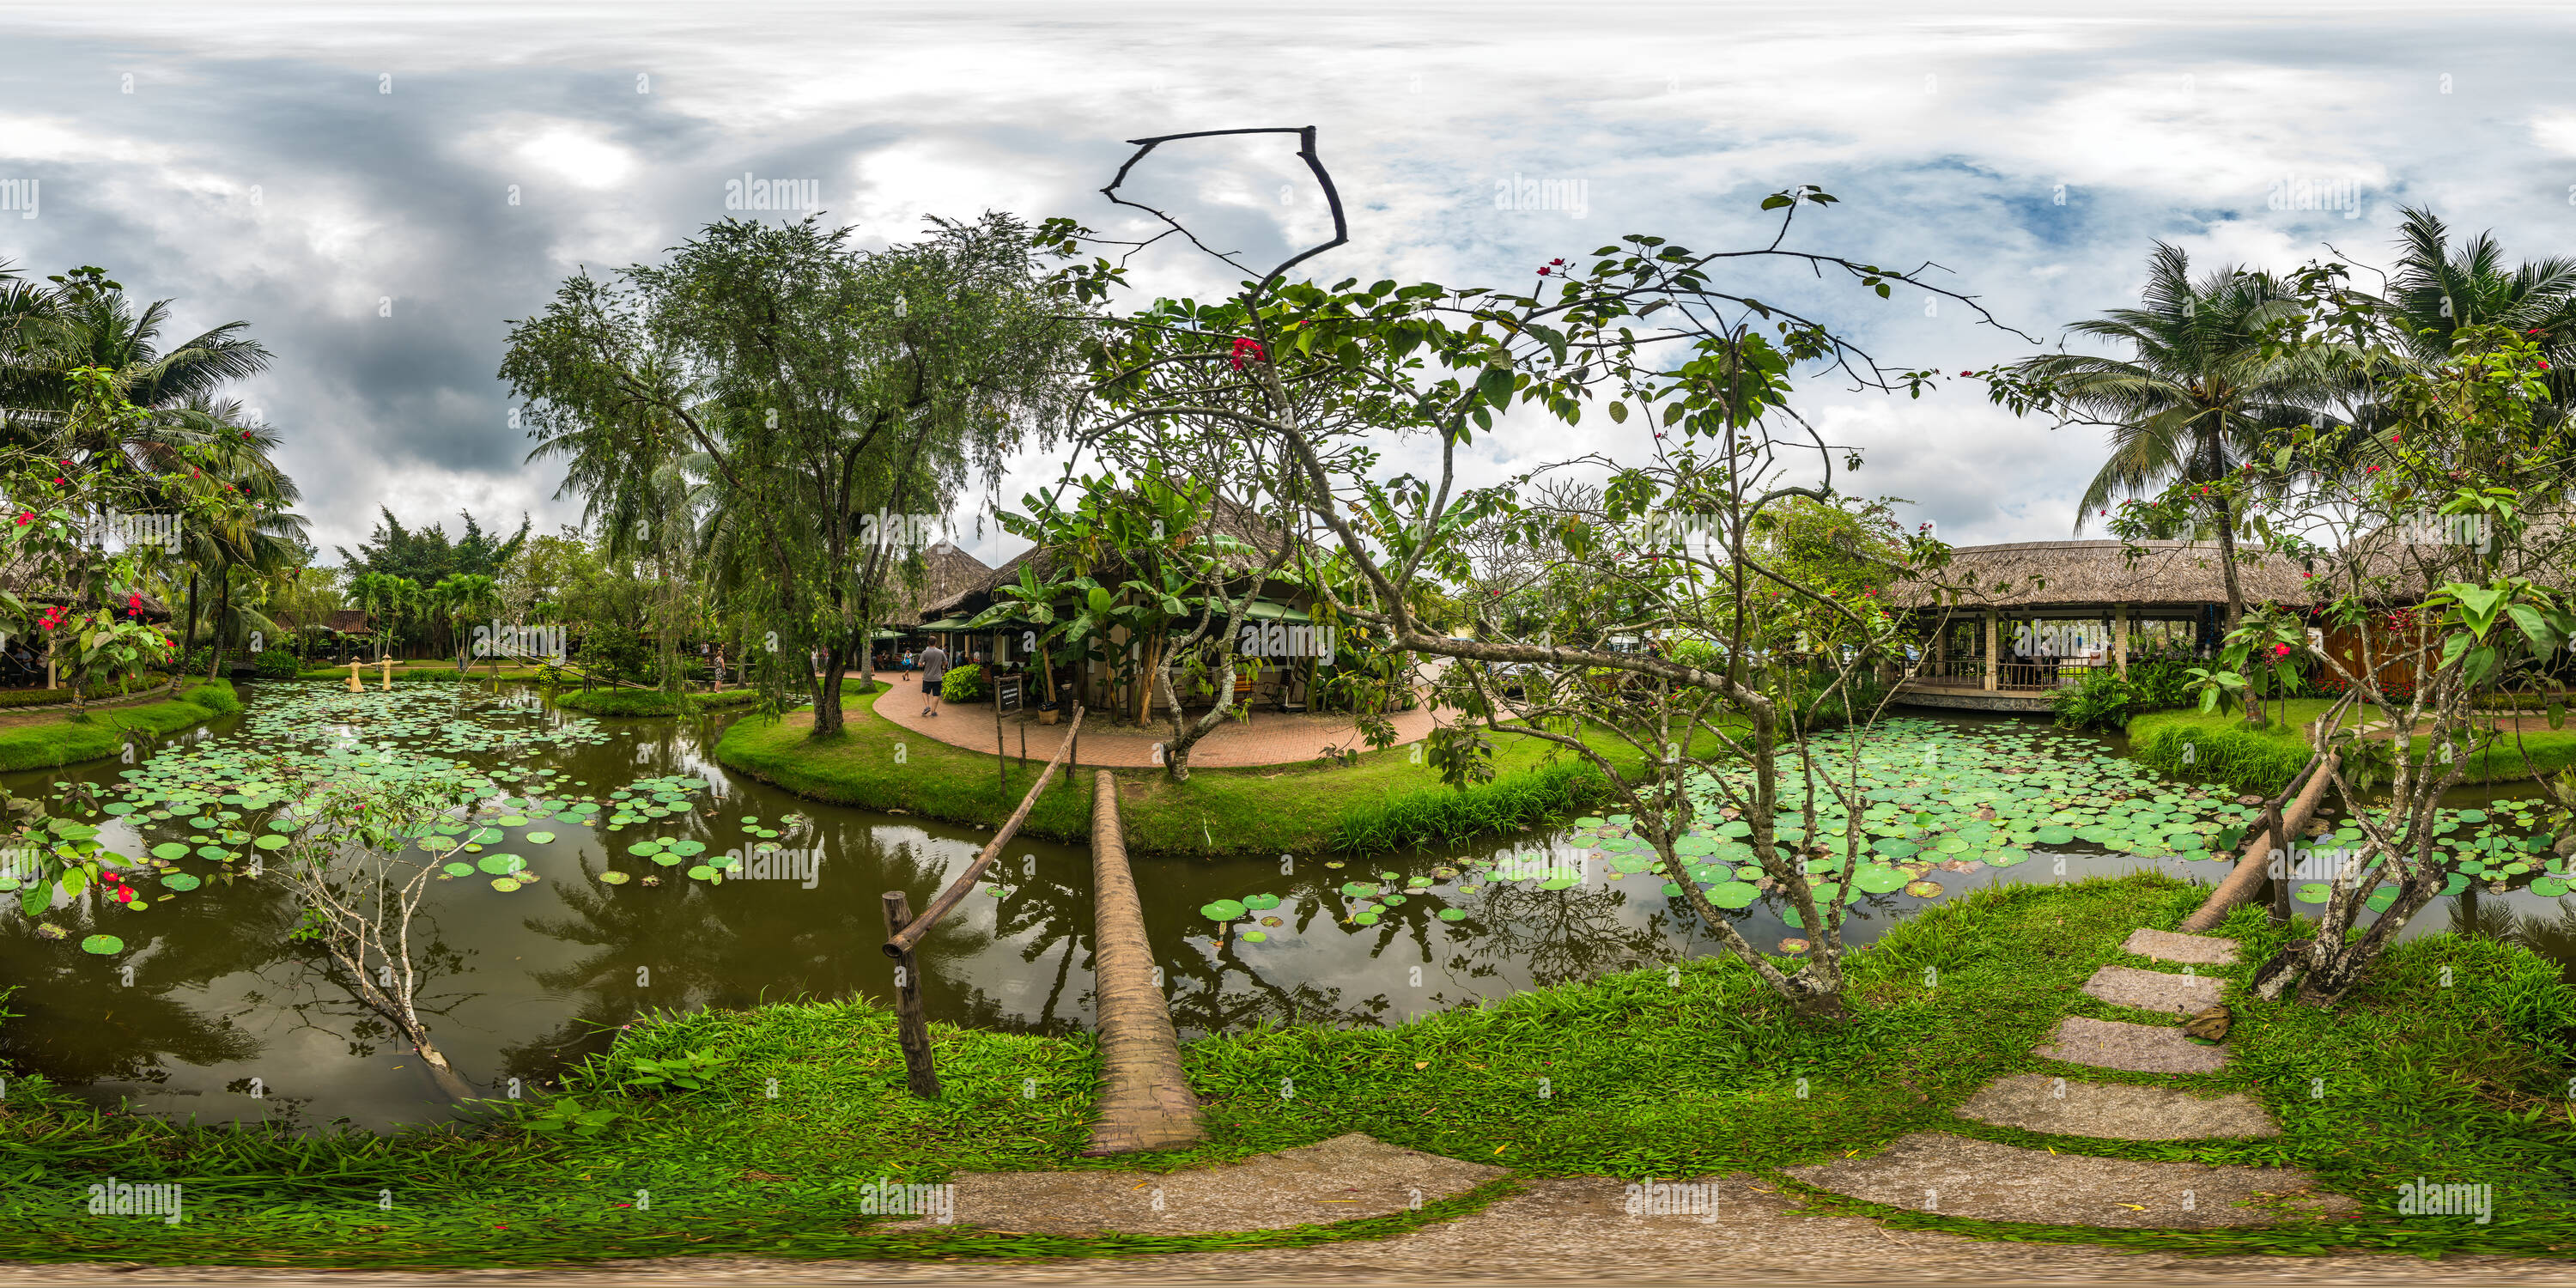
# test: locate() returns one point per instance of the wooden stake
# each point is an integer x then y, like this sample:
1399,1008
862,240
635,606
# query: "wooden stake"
912,1029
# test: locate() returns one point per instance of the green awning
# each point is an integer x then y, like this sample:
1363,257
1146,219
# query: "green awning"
1264,610
884,634
944,624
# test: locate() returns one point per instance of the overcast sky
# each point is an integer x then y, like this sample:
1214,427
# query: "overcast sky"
379,190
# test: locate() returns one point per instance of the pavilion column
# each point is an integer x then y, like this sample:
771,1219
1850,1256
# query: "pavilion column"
1994,660
2120,638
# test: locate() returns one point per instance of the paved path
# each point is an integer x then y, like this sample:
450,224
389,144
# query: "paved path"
1270,739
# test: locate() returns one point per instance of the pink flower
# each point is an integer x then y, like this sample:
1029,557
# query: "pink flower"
2280,650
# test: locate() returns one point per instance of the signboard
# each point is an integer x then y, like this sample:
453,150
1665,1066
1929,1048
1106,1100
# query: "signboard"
1006,692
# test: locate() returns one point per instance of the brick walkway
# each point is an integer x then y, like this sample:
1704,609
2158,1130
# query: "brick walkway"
1270,739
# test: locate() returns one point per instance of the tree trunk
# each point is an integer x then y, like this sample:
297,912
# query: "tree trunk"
827,693
223,604
191,643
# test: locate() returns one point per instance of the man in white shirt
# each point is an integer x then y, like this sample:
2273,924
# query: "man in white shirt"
934,665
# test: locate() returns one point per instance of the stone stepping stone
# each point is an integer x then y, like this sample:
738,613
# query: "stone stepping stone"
1959,1176
2154,990
2166,946
1342,1179
2137,1048
2115,1111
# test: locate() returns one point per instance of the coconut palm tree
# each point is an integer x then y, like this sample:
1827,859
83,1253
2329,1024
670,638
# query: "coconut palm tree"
2196,392
2440,288
385,597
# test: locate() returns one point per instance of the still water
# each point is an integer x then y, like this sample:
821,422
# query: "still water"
211,999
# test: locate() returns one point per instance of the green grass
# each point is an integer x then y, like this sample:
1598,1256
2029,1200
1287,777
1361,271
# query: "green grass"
2261,761
1276,809
2434,1067
647,702
102,732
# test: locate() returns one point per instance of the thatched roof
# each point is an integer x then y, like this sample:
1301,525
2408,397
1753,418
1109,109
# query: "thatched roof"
2083,574
1232,519
947,572
349,621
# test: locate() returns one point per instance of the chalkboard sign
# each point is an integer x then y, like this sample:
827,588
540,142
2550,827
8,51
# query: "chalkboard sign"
1006,692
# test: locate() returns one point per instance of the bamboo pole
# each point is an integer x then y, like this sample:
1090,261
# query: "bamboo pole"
905,940
912,1028
1146,1103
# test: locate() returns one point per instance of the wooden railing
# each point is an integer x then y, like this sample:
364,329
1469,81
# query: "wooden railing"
2039,673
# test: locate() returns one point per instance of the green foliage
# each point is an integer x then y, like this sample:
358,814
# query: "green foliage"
2106,700
565,1115
102,733
1448,815
614,651
962,684
277,664
695,1071
2248,762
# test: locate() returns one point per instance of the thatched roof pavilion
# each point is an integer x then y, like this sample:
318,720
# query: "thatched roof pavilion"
2016,622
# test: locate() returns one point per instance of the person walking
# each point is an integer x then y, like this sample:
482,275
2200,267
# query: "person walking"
934,666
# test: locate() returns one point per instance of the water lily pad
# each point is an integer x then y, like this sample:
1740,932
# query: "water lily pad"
701,872
1368,918
1253,937
2313,892
541,837
504,884
2381,898
1222,910
1925,889
1453,914
1260,902
2549,887
269,842
500,864
1878,879
1730,894
103,945
169,850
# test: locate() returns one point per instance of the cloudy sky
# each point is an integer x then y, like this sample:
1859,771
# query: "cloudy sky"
379,190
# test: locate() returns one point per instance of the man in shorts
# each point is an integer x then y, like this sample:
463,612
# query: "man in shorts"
934,666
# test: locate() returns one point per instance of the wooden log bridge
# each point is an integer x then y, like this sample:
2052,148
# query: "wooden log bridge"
2283,820
1146,1103
904,932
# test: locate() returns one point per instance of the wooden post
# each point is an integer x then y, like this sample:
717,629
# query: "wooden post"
2120,638
911,1028
1994,660
1001,750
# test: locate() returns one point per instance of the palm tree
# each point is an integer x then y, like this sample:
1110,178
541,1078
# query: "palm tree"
460,598
384,596
87,321
2195,395
2439,288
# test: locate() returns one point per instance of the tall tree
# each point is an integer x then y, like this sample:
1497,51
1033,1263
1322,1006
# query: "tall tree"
821,386
2200,385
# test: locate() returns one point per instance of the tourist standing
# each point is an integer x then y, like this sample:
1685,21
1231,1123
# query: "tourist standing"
934,667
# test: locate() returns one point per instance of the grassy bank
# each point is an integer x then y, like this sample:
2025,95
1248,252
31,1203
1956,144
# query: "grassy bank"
102,732
1650,1075
2261,761
648,702
1384,801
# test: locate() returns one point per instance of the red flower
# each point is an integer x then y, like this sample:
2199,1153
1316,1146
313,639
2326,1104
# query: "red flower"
1542,272
1967,373
26,518
1243,347
58,481
2280,650
1560,263
2544,366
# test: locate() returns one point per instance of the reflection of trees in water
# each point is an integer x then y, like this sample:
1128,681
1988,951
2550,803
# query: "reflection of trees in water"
2551,937
1558,936
77,1020
341,1013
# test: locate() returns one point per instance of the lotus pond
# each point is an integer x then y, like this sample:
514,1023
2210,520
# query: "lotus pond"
611,869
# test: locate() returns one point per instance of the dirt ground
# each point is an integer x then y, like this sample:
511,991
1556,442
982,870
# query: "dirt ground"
1559,1232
